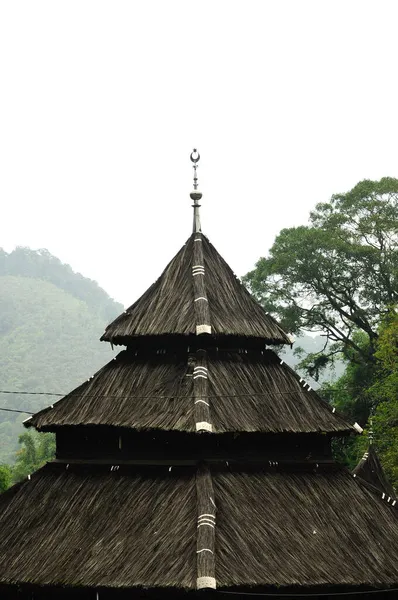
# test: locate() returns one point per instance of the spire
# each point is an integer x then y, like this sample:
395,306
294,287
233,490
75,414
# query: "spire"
195,194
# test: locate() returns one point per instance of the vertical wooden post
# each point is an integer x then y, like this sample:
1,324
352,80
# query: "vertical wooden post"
205,547
202,320
201,398
202,313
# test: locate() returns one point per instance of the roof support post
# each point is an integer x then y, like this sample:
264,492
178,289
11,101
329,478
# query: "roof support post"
201,304
205,546
202,404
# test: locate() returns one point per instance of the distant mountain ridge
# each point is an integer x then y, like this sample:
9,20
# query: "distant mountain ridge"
41,264
51,319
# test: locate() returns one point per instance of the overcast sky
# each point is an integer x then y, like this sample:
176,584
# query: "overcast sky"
101,104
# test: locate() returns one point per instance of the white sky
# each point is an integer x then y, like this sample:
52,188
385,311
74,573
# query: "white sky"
102,102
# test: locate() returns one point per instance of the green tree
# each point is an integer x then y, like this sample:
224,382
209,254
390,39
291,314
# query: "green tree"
384,394
37,449
372,393
5,478
349,394
339,274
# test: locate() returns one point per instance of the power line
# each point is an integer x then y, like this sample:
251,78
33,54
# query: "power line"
152,397
31,393
14,410
272,392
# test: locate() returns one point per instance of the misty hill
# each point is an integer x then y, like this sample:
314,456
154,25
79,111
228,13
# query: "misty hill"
50,323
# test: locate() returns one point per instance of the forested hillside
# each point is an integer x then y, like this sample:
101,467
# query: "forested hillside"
50,323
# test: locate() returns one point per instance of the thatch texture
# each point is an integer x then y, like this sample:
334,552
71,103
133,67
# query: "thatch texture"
136,527
249,391
100,529
282,529
266,396
168,306
370,471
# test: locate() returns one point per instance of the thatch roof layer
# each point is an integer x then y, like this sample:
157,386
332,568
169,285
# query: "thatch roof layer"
249,391
138,528
370,471
303,529
168,306
100,529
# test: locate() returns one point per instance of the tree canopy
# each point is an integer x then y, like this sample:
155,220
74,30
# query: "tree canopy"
384,396
339,274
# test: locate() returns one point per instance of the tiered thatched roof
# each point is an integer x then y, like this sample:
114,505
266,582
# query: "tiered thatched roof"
196,459
137,527
167,307
154,389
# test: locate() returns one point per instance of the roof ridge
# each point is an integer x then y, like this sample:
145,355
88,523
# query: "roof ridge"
206,526
203,327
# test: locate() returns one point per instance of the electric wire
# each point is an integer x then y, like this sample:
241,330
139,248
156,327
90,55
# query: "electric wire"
150,397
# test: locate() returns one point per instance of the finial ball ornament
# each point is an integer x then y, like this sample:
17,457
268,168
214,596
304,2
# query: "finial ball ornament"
195,156
195,195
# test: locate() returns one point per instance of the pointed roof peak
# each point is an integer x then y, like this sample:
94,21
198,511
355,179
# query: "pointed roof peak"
370,471
195,194
172,304
196,294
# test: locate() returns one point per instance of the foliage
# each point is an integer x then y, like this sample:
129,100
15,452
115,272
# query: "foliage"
339,274
370,396
37,449
384,393
48,335
349,394
5,477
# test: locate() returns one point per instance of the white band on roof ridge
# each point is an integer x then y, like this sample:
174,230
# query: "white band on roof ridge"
202,401
358,428
206,582
204,426
201,298
203,329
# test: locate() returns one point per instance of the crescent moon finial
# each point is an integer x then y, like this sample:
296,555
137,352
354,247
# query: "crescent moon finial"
195,156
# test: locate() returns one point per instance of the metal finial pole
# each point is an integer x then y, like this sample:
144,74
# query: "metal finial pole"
195,157
195,195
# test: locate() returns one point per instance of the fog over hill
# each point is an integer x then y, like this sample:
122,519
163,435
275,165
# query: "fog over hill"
50,323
